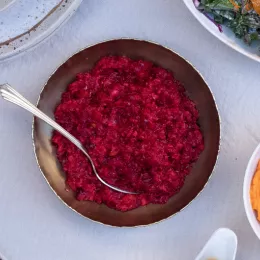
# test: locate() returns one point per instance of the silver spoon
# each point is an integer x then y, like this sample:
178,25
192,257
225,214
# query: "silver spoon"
13,96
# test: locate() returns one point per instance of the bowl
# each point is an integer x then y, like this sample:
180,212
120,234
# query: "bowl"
227,36
250,171
196,88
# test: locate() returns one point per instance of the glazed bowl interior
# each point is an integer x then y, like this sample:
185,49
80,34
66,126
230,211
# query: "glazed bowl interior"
197,90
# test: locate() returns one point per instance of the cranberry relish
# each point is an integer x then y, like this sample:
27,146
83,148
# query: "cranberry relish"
139,127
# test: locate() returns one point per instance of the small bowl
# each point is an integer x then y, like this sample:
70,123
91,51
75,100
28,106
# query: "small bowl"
196,88
250,171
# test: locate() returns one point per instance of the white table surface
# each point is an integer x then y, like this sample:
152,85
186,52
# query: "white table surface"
35,225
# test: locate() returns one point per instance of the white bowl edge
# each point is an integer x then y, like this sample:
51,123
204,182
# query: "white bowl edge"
250,171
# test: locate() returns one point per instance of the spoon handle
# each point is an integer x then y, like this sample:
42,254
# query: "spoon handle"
11,95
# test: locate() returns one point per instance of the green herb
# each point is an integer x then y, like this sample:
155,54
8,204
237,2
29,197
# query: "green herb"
245,24
217,5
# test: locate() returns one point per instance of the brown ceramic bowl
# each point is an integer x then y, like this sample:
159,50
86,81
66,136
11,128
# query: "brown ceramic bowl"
196,88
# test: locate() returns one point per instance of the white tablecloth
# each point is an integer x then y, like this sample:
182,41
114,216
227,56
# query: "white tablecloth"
35,225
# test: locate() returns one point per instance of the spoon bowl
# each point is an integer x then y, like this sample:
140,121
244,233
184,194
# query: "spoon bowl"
221,246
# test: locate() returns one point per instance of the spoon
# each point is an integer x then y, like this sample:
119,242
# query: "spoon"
221,246
13,96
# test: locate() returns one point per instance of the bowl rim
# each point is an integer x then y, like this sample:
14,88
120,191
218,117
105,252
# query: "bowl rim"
250,170
236,47
140,40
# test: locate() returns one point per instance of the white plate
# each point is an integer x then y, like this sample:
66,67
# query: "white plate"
5,3
32,21
227,36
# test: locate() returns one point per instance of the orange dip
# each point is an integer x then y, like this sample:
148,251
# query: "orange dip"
255,191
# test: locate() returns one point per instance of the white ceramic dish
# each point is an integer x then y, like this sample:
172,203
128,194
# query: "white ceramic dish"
18,17
222,245
5,3
2,257
32,22
227,36
250,171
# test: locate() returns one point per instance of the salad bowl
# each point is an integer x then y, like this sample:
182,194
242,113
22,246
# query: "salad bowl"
223,32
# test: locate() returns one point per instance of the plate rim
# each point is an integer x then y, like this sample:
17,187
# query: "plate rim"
40,38
31,28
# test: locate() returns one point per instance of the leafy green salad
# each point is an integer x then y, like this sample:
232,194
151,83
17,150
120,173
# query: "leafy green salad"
241,16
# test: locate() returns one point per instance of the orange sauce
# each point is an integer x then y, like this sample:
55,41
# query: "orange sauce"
255,191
